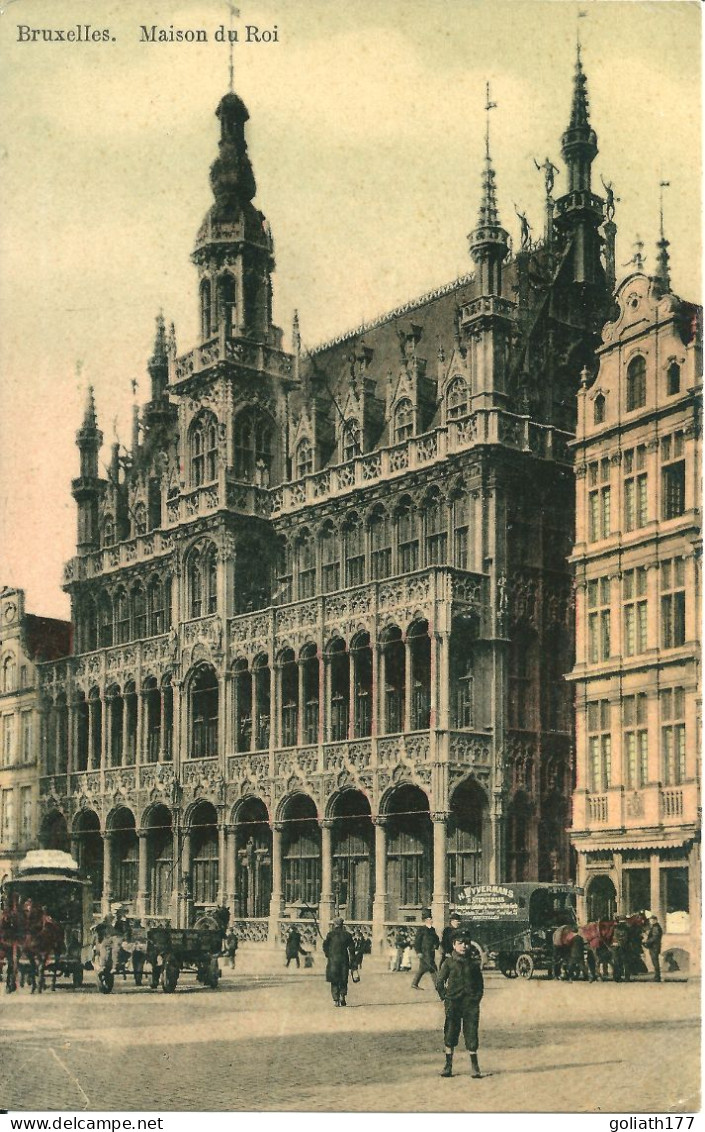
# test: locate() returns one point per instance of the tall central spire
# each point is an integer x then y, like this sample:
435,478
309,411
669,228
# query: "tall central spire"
579,142
663,266
488,241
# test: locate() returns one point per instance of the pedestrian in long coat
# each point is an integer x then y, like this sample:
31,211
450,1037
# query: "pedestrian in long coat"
339,950
293,947
653,946
426,944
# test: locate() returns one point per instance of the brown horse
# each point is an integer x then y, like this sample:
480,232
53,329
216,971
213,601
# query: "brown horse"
28,938
614,943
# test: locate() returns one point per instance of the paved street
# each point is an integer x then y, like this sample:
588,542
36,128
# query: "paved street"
274,1041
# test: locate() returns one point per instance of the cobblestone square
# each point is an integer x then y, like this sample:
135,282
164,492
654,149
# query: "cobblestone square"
273,1041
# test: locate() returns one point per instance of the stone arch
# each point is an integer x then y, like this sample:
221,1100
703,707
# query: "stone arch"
202,827
253,857
158,823
301,850
87,839
600,897
352,847
203,695
469,846
53,831
409,849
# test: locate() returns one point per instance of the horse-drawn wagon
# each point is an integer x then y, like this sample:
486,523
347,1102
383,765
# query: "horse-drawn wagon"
45,921
512,925
168,951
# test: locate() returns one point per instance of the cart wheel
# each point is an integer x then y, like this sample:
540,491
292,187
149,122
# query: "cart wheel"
78,976
524,966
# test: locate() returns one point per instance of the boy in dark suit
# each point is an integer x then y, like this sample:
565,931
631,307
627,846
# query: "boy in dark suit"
460,987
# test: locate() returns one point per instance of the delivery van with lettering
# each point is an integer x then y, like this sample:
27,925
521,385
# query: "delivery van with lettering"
512,924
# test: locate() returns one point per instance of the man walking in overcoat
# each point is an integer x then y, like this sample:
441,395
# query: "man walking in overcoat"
339,950
652,944
426,944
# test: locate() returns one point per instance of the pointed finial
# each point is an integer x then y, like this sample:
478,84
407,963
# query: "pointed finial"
663,272
582,15
171,341
234,14
159,354
295,333
489,105
90,419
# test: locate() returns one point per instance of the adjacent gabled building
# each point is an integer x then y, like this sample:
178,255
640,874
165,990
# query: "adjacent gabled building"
637,562
25,640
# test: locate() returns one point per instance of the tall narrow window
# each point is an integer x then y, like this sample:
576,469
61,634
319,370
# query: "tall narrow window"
673,603
635,741
673,379
122,618
352,438
598,409
307,566
636,384
436,522
408,535
330,559
205,309
354,536
672,476
673,736
461,532
599,745
204,714
599,620
253,445
203,447
380,545
227,303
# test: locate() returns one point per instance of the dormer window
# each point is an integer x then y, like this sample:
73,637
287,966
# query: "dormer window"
636,384
304,459
206,325
352,439
403,420
598,409
457,399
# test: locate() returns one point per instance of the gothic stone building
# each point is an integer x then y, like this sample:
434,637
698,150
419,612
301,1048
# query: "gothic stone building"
637,557
323,607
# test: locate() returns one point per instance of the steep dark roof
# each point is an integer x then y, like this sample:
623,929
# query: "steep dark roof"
47,638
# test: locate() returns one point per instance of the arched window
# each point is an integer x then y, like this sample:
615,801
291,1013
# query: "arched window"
352,438
436,519
9,674
408,536
154,504
354,535
202,577
457,399
204,714
206,309
461,530
105,621
203,448
304,458
89,625
330,559
122,618
108,531
673,379
636,383
139,611
285,573
306,555
253,444
380,545
157,612
598,409
227,303
139,519
289,684
403,420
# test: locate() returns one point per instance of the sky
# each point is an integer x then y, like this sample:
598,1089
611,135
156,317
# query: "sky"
366,135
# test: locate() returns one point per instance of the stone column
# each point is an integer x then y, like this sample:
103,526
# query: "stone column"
275,906
408,684
351,692
107,873
327,898
379,680
125,727
231,871
379,905
104,729
72,741
497,842
655,877
325,699
301,706
439,899
186,879
139,727
222,863
143,872
255,709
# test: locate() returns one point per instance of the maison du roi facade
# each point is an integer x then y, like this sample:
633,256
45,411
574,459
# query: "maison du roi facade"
323,608
637,560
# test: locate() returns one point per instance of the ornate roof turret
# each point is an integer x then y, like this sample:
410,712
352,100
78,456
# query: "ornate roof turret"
90,420
579,142
489,241
232,179
158,364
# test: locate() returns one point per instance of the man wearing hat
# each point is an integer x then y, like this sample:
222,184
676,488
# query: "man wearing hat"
339,950
460,987
652,943
426,944
447,936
